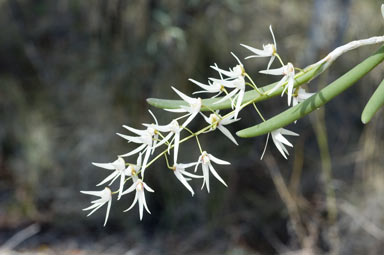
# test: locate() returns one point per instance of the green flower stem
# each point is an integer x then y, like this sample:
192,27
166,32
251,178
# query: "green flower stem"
249,96
374,104
317,100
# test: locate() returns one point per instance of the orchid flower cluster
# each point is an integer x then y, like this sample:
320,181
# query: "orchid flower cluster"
231,85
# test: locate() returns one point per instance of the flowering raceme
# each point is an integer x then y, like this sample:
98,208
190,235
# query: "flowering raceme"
157,141
232,83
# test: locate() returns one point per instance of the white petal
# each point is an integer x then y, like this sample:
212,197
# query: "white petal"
139,159
147,187
146,157
190,118
186,165
121,187
145,204
141,203
107,213
130,189
270,62
278,71
115,178
258,56
228,120
238,102
207,88
206,176
175,110
213,171
265,147
228,134
165,139
176,147
278,85
133,203
288,132
217,160
109,178
161,128
93,206
206,118
93,193
190,175
134,130
273,36
181,178
226,73
108,166
186,98
225,83
198,162
237,59
291,82
228,96
283,140
279,146
94,210
138,149
153,116
130,138
259,53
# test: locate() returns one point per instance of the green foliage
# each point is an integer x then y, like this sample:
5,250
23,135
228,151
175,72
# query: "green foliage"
374,104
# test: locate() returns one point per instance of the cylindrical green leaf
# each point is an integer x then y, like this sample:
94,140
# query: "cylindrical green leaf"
374,104
317,100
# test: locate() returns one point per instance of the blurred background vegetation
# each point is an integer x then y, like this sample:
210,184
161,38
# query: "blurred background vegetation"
72,72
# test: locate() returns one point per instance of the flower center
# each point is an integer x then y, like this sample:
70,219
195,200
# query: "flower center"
205,158
140,186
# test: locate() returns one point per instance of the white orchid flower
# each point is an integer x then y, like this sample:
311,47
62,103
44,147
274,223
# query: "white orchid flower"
236,95
118,167
218,121
280,141
174,130
289,75
119,170
268,50
205,161
184,176
232,73
147,138
105,197
211,87
140,187
236,80
193,109
147,144
300,95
